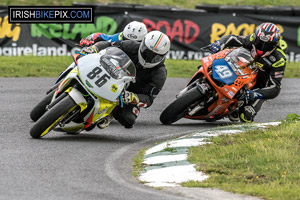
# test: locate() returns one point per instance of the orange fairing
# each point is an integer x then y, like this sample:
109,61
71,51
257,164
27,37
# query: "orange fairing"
207,62
75,56
226,93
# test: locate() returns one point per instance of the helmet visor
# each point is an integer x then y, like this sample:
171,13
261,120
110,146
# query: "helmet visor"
150,56
264,46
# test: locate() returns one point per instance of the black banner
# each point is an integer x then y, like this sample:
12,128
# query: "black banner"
187,32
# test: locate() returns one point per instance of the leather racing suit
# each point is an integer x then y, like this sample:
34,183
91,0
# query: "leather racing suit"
149,82
96,37
269,77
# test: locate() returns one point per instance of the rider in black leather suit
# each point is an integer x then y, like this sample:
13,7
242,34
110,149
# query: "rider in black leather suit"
269,51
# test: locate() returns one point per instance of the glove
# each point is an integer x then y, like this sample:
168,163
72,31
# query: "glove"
86,42
215,47
89,50
251,96
130,97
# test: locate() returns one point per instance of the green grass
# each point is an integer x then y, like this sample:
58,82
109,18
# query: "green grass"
292,70
137,163
32,66
259,163
178,3
182,68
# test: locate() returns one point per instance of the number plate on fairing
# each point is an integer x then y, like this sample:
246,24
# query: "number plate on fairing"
223,72
97,79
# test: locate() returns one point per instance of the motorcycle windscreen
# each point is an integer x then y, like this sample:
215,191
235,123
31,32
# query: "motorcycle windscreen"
223,72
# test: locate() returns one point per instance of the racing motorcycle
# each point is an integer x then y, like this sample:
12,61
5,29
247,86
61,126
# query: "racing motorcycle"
217,89
85,93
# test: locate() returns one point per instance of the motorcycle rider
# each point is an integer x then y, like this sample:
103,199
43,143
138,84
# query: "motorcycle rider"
148,57
269,52
133,31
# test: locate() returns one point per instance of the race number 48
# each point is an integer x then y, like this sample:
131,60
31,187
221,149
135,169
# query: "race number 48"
223,71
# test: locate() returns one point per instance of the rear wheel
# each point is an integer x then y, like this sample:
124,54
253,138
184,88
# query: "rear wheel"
52,118
180,106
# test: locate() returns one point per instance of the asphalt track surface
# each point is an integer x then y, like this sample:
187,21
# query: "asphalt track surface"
95,164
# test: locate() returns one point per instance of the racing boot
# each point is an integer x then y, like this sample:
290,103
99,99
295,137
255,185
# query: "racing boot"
247,114
234,116
105,121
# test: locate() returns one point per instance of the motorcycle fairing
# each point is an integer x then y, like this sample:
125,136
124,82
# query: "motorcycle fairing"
226,93
223,72
98,80
102,107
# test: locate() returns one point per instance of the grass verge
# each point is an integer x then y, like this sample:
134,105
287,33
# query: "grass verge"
137,164
259,163
32,66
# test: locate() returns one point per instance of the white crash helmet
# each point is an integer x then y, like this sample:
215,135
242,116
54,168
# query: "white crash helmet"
135,31
153,49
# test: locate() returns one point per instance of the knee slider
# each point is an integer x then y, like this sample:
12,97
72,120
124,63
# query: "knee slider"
127,116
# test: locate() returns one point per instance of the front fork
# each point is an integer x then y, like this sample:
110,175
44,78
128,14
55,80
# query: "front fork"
201,84
204,89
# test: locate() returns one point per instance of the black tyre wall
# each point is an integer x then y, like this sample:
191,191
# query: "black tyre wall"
51,116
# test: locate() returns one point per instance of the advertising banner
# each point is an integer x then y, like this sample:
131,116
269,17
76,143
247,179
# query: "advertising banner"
188,32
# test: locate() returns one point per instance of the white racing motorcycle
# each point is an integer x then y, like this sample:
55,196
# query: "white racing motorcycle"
86,94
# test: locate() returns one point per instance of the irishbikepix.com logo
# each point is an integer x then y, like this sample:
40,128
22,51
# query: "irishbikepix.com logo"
50,14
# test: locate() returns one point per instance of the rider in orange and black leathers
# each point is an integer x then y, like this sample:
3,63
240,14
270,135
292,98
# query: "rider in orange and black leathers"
269,51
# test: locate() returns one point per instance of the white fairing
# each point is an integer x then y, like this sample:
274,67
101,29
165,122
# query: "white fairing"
76,96
98,80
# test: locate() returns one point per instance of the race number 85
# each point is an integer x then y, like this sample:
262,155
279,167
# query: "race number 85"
223,71
101,80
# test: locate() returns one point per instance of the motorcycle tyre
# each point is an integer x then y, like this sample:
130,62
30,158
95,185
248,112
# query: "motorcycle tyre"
40,108
176,110
50,119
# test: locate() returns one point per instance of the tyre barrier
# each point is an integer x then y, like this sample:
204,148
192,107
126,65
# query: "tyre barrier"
261,10
200,8
274,10
237,9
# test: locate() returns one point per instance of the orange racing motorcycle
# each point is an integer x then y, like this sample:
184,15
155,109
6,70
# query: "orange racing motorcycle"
217,89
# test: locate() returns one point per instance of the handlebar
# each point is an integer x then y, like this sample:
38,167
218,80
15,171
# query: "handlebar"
206,49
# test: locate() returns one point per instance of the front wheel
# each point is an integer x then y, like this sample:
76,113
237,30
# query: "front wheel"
52,117
180,106
41,107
